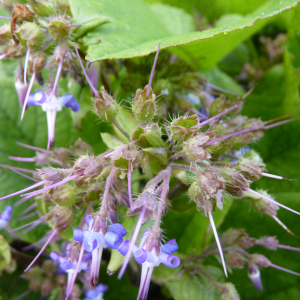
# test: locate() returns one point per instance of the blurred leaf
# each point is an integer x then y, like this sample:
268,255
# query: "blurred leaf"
138,31
4,250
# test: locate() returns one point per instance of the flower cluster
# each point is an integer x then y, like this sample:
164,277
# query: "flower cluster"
203,154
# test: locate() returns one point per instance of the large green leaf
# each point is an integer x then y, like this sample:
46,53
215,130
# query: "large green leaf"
137,29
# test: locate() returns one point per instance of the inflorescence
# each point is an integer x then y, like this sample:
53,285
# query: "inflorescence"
200,149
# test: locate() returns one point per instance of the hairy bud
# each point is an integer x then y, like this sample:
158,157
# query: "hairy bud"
144,109
105,106
62,217
228,291
193,146
220,104
182,128
30,35
235,259
57,28
237,237
250,169
5,34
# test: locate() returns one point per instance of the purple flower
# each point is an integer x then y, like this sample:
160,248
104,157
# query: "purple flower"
113,238
150,254
96,293
51,105
5,216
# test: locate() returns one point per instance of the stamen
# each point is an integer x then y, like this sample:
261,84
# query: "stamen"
34,148
121,148
276,119
76,271
276,177
54,185
28,224
282,225
24,190
271,200
277,124
278,246
27,95
85,74
217,241
24,294
129,183
215,117
6,18
284,269
133,240
19,169
26,159
74,25
60,65
28,177
26,65
152,72
29,216
43,248
29,208
199,114
220,89
3,56
248,93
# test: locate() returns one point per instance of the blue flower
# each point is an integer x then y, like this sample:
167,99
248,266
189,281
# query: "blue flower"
5,216
51,105
96,293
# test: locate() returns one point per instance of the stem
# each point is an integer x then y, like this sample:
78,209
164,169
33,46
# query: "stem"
60,65
28,177
152,73
26,159
116,123
279,123
19,169
34,148
276,177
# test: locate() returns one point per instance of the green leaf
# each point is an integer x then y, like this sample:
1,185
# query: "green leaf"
4,250
138,31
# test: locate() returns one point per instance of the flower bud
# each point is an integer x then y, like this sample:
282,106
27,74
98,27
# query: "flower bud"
82,148
220,104
181,128
261,205
62,217
152,240
5,34
105,106
63,154
269,242
144,109
250,169
120,193
37,61
228,291
193,146
153,136
30,35
43,8
92,166
235,259
145,199
49,267
64,195
63,52
259,260
161,154
235,182
47,286
237,237
254,275
57,28
53,175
